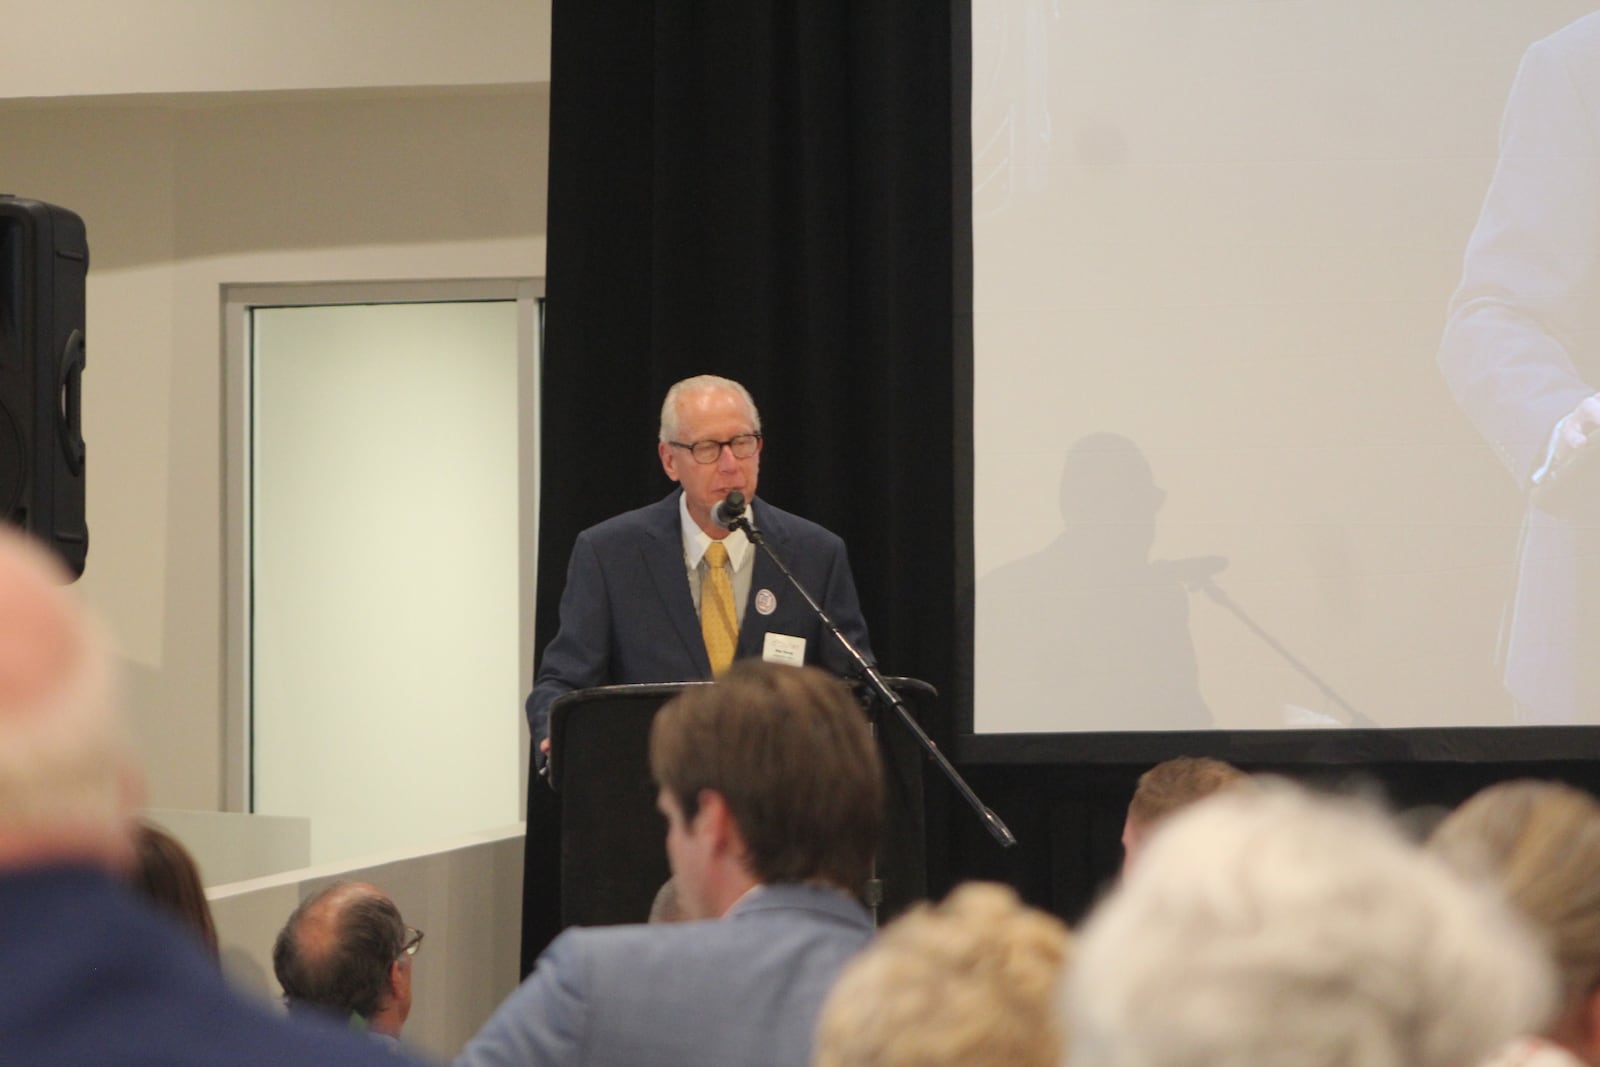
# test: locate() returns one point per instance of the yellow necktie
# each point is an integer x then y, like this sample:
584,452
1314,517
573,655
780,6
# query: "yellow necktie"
719,624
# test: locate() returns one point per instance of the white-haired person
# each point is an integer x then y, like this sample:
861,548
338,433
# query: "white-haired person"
969,982
1539,843
1274,928
88,973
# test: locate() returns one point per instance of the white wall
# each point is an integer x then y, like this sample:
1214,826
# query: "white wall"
229,847
100,47
182,196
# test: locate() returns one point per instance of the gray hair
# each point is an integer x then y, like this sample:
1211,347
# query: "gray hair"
1272,928
701,383
65,756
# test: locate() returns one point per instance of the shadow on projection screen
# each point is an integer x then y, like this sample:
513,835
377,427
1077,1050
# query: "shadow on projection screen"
1286,316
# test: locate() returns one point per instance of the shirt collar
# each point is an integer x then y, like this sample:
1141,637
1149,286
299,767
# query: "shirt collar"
747,897
695,541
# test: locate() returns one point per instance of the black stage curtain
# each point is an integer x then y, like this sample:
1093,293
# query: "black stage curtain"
762,190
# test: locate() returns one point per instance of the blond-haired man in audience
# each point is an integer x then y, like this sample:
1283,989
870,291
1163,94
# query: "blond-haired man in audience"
1168,788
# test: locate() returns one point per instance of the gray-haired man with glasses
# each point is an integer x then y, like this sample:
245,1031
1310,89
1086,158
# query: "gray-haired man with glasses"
666,594
347,953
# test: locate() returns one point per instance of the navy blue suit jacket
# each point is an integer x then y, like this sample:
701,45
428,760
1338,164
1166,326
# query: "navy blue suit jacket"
627,614
88,975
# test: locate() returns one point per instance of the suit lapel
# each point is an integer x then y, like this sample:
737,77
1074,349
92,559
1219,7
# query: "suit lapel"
664,559
766,575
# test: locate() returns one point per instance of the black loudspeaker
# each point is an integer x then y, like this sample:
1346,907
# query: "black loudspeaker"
44,261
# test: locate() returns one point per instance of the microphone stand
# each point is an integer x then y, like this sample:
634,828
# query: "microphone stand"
992,822
1218,595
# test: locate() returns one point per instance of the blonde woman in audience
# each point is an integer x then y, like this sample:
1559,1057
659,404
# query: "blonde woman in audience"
1539,842
970,982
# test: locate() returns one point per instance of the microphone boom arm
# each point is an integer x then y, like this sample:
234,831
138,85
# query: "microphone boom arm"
992,822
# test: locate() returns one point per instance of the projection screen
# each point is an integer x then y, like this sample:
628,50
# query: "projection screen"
1278,306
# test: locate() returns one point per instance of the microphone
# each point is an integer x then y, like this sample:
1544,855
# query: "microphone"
729,510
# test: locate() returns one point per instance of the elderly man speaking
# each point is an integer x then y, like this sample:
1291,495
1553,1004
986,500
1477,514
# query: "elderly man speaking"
665,593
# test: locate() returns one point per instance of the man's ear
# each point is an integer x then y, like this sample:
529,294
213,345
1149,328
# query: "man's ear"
719,825
669,459
711,811
400,977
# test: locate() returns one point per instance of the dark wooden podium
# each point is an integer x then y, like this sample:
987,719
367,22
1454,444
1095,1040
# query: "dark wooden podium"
613,857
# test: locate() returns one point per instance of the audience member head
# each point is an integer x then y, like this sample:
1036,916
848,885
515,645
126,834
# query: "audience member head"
1271,928
68,781
165,874
768,775
970,982
1168,788
347,952
1539,843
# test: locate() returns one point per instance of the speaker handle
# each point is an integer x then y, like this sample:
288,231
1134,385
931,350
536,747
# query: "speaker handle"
70,425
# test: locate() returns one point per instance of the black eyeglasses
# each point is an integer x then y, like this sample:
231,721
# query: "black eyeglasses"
413,942
743,446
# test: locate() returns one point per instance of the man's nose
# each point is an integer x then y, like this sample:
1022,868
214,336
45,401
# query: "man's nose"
725,459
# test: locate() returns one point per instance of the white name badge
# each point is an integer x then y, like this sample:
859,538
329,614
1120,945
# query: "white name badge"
781,648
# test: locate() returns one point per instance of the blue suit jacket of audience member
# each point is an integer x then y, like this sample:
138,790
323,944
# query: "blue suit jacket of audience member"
627,614
738,991
89,977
